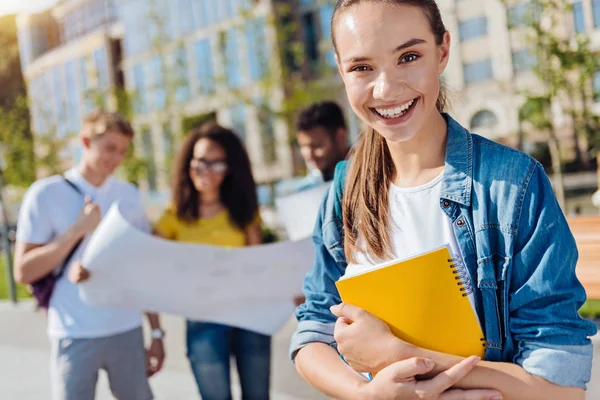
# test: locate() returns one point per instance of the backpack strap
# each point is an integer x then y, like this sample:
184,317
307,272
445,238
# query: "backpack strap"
61,271
74,186
339,182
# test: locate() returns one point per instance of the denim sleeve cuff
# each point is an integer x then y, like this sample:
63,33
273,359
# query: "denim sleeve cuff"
309,332
569,366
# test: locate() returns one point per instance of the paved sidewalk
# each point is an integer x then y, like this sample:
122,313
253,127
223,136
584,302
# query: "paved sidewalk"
24,358
24,362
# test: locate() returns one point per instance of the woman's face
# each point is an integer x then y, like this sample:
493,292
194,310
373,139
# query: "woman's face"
390,64
208,166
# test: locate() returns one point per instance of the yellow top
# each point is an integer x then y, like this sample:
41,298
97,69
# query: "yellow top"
215,231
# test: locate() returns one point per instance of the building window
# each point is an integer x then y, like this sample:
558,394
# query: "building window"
596,12
101,68
211,15
59,120
311,39
232,64
257,49
484,119
72,99
523,60
135,21
45,106
181,78
578,16
238,120
84,88
24,36
35,93
325,14
204,66
523,14
597,87
201,13
72,25
230,9
168,149
158,86
148,149
478,71
113,10
267,134
473,28
96,13
241,6
183,17
139,104
167,138
86,18
160,24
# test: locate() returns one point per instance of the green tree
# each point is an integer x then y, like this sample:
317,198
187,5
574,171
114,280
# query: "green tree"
17,145
15,132
11,79
565,66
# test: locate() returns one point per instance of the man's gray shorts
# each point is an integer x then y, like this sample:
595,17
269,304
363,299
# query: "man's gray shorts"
75,364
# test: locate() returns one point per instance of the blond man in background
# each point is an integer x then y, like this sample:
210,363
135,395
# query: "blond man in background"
56,218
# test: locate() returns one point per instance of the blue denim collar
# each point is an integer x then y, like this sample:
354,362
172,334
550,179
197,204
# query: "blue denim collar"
458,173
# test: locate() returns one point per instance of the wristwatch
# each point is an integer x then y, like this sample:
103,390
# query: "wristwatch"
157,333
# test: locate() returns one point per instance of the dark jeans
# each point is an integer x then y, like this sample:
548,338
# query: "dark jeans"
209,347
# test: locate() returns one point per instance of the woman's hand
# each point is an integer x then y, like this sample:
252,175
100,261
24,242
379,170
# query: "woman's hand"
365,341
397,382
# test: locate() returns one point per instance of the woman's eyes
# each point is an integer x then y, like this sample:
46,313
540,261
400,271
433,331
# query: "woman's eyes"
406,58
360,68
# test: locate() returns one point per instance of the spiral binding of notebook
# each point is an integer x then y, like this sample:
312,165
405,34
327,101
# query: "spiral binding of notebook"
462,276
464,283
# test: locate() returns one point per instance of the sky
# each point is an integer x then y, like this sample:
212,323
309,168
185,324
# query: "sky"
17,6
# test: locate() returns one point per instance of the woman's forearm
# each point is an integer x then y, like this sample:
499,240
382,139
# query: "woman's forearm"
510,379
321,366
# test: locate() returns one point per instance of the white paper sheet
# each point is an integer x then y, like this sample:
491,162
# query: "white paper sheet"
250,287
298,212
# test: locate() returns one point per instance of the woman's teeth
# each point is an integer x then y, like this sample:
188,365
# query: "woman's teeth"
396,111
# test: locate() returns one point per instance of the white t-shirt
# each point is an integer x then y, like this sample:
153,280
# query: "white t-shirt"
49,208
418,225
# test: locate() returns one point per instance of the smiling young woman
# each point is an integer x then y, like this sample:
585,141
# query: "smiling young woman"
417,180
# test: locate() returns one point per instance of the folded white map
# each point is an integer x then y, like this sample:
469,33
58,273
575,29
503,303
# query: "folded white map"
249,287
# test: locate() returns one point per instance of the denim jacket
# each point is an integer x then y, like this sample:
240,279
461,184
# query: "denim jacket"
516,245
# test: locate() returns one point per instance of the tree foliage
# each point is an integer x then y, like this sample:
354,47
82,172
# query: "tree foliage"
15,133
565,65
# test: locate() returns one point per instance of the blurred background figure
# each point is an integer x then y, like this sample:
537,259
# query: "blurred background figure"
214,202
322,137
58,215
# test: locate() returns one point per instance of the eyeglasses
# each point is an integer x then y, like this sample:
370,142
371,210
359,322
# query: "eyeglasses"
202,164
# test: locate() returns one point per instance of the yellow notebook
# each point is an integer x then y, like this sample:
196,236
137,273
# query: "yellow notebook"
422,299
